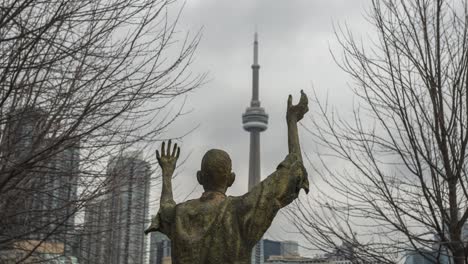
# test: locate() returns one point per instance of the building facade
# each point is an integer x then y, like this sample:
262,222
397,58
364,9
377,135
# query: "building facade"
40,205
129,202
95,235
57,198
281,251
271,248
289,248
114,224
427,256
160,249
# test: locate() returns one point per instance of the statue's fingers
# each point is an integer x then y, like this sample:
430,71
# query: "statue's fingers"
178,152
169,148
305,182
163,148
158,157
304,99
289,101
174,150
305,186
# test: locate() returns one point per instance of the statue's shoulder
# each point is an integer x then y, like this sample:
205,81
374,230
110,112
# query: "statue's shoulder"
188,207
235,200
188,203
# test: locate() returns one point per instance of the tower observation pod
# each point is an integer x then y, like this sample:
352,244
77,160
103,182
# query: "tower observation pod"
255,120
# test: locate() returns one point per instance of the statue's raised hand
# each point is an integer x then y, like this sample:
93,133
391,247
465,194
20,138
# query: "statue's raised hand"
297,112
168,160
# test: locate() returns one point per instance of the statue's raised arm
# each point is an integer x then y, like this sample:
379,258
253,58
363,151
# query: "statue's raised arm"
294,114
167,161
282,186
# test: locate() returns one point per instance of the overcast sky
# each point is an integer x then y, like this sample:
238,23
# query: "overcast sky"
295,39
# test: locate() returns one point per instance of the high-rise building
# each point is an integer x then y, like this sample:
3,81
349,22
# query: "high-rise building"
95,235
23,131
57,196
18,135
128,208
255,120
41,193
160,248
114,224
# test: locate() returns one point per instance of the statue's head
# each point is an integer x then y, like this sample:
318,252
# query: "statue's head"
215,173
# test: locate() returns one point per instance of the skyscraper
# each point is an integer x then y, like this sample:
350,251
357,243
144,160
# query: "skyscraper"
160,248
255,120
95,235
128,208
22,133
16,204
56,197
114,223
39,205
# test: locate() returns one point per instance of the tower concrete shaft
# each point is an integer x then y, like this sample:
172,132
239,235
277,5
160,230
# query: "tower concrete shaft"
255,120
254,159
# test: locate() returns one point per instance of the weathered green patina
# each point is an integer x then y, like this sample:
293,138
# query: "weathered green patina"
223,229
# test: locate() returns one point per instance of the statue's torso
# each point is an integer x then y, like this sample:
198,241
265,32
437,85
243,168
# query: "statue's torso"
217,229
210,231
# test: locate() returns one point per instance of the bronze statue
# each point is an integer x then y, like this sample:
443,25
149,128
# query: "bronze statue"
223,229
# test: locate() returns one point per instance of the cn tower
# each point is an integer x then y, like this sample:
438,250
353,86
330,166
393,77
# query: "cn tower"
255,120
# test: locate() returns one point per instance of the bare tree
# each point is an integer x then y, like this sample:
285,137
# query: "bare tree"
80,81
401,179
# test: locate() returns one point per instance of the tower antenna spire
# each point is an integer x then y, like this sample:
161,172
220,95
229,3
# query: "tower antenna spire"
255,120
255,48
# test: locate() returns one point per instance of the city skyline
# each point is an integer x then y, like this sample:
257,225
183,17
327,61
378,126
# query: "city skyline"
78,138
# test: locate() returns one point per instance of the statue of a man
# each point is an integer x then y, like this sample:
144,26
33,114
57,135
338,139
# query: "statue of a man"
223,229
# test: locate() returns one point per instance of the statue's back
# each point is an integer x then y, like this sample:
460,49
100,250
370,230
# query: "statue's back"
210,231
